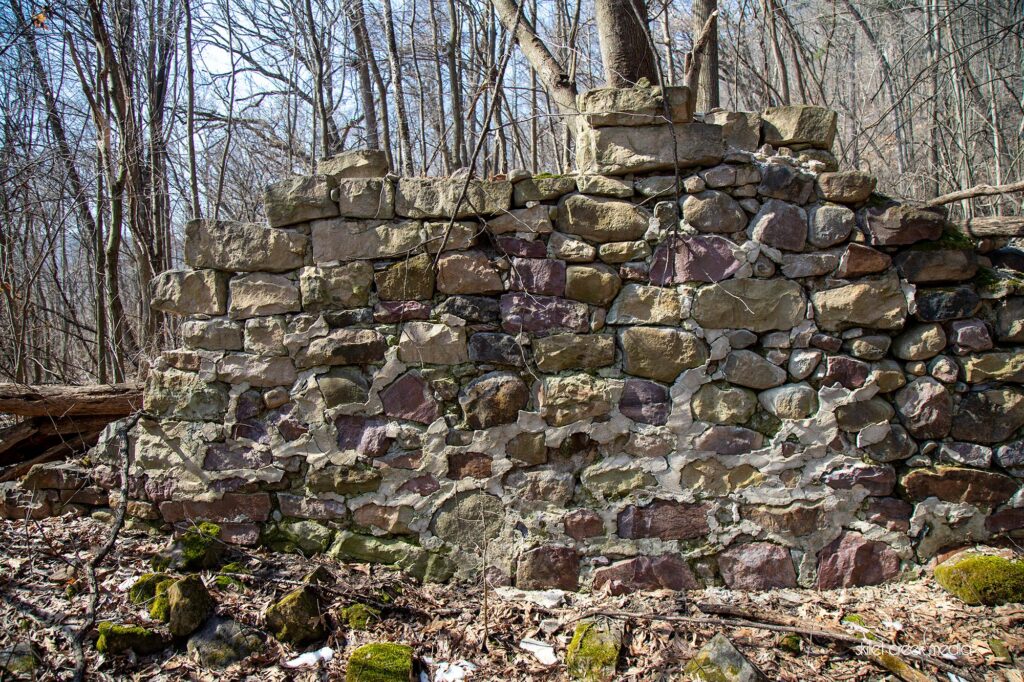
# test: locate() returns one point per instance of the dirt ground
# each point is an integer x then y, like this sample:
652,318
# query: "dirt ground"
44,598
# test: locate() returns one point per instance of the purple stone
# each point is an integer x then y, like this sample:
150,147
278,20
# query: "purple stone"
845,371
366,436
970,336
409,397
538,276
287,425
878,479
390,312
224,456
526,312
705,258
645,401
300,507
513,246
728,440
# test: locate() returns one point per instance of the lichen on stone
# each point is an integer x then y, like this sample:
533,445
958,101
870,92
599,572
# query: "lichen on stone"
593,652
224,580
380,662
988,580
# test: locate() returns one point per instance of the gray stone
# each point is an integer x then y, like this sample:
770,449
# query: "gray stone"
794,125
618,150
438,197
720,661
368,199
920,342
256,370
329,288
299,200
635,106
722,403
173,394
219,334
792,401
747,368
741,129
925,408
343,240
343,347
829,224
356,163
780,224
846,187
935,266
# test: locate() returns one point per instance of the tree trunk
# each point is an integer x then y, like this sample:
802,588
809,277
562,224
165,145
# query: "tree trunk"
401,116
626,50
363,67
707,95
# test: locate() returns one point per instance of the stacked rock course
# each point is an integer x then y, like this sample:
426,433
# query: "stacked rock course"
708,356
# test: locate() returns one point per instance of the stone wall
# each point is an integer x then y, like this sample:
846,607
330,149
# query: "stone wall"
753,369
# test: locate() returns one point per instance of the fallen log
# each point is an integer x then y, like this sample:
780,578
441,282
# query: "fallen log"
995,226
57,438
111,400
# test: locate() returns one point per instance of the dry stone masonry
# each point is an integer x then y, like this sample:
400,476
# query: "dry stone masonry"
709,356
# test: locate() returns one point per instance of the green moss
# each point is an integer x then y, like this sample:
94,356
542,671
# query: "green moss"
791,643
223,581
359,616
546,176
20,660
293,536
380,662
160,607
117,639
144,589
197,549
296,617
593,652
952,238
988,580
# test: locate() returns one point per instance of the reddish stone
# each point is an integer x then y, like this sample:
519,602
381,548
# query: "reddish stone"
900,224
645,573
468,465
391,312
757,566
634,272
925,408
828,343
409,397
852,560
300,507
1005,520
366,436
98,497
538,276
513,246
232,507
531,313
664,519
845,371
890,512
645,401
237,533
493,399
400,460
581,524
955,484
286,424
878,479
970,336
797,520
421,485
858,261
548,567
394,520
704,258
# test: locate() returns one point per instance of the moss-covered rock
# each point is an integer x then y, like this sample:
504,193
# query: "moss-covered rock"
190,604
421,564
791,643
359,616
988,580
144,589
197,549
298,537
160,607
296,617
380,662
118,639
19,661
593,652
224,580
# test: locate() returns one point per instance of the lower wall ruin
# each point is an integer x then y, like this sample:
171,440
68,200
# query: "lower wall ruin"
758,371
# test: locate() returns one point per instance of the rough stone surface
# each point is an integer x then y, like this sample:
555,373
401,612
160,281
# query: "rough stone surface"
851,560
781,225
757,566
189,292
712,211
660,353
574,351
242,247
878,304
757,305
493,399
645,573
600,219
694,259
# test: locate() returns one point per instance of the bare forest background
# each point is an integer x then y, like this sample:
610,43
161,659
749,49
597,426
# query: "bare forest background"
122,119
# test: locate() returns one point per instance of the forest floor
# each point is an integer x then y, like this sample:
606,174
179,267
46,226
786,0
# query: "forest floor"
44,596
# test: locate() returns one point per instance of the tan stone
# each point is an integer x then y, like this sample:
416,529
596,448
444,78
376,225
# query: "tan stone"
756,304
365,198
1007,366
564,400
340,239
437,197
799,125
242,247
642,304
330,288
573,351
601,219
432,344
877,304
660,353
468,272
356,163
189,292
722,403
618,150
408,280
262,294
594,284
711,477
637,106
533,220
299,200
256,370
